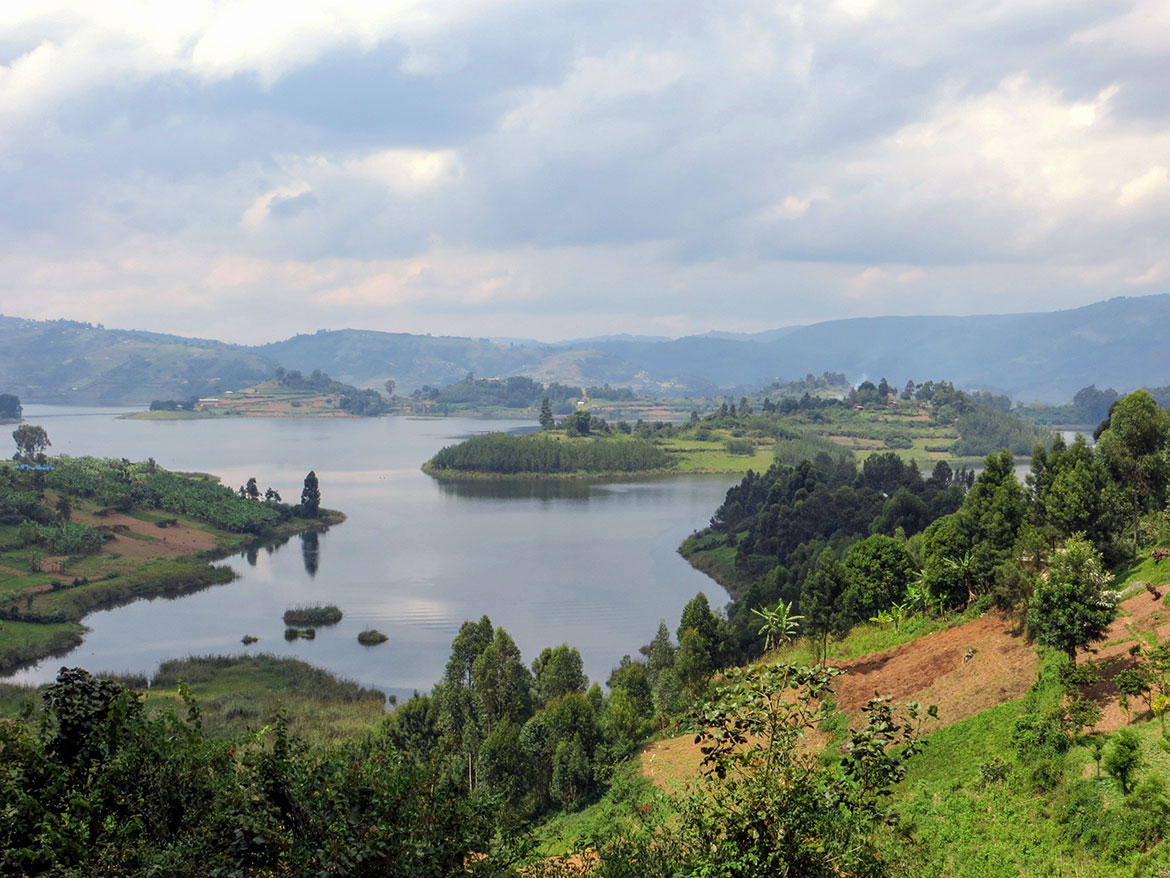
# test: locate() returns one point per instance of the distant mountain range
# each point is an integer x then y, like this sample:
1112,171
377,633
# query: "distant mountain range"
1043,357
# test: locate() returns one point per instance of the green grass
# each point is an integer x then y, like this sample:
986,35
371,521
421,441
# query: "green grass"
312,614
956,824
1144,570
243,693
24,642
865,639
695,456
625,800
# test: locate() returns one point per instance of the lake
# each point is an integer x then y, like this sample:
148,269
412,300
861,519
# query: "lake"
591,565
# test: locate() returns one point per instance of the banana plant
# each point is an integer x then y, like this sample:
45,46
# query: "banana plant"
897,613
780,624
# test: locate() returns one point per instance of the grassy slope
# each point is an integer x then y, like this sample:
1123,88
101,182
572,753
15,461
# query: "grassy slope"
953,822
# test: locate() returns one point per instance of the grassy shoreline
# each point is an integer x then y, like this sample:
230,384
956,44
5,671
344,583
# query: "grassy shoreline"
451,475
51,622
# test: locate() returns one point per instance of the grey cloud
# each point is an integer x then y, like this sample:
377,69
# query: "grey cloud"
283,207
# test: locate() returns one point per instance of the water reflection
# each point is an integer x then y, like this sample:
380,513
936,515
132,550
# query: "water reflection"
311,551
518,489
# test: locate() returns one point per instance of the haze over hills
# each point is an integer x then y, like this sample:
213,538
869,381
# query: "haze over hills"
1033,357
62,361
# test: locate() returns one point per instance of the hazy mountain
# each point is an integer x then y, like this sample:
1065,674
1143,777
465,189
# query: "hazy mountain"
1033,357
62,361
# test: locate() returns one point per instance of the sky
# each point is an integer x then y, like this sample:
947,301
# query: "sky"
248,170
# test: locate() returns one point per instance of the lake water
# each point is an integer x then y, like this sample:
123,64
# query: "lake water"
590,565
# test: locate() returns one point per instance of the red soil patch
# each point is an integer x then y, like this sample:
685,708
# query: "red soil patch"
12,571
168,542
962,670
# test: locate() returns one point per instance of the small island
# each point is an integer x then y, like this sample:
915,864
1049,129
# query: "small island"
312,615
78,534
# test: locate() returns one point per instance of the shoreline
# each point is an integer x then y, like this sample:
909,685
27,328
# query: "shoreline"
169,578
449,475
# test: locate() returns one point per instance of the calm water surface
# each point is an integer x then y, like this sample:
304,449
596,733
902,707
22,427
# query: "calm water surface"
591,565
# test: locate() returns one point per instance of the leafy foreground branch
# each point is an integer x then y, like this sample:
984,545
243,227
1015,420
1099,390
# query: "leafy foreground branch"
105,788
770,802
101,786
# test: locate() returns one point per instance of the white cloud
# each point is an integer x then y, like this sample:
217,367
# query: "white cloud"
1151,184
482,163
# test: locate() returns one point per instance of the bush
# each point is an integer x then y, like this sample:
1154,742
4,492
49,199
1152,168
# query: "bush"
312,614
69,538
739,446
370,637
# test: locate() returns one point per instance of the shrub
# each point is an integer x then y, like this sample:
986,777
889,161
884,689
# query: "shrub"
370,637
739,446
312,614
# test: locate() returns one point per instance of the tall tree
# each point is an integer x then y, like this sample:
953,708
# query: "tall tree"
1075,605
311,495
31,442
559,671
820,602
502,683
1133,447
697,615
547,421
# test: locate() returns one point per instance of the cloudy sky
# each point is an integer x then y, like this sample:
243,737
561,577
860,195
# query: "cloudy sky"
246,170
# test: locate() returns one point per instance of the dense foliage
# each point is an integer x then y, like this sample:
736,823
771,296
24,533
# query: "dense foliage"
120,484
10,407
355,401
841,545
104,788
507,454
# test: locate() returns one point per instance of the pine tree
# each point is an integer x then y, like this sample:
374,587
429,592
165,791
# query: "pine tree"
546,416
